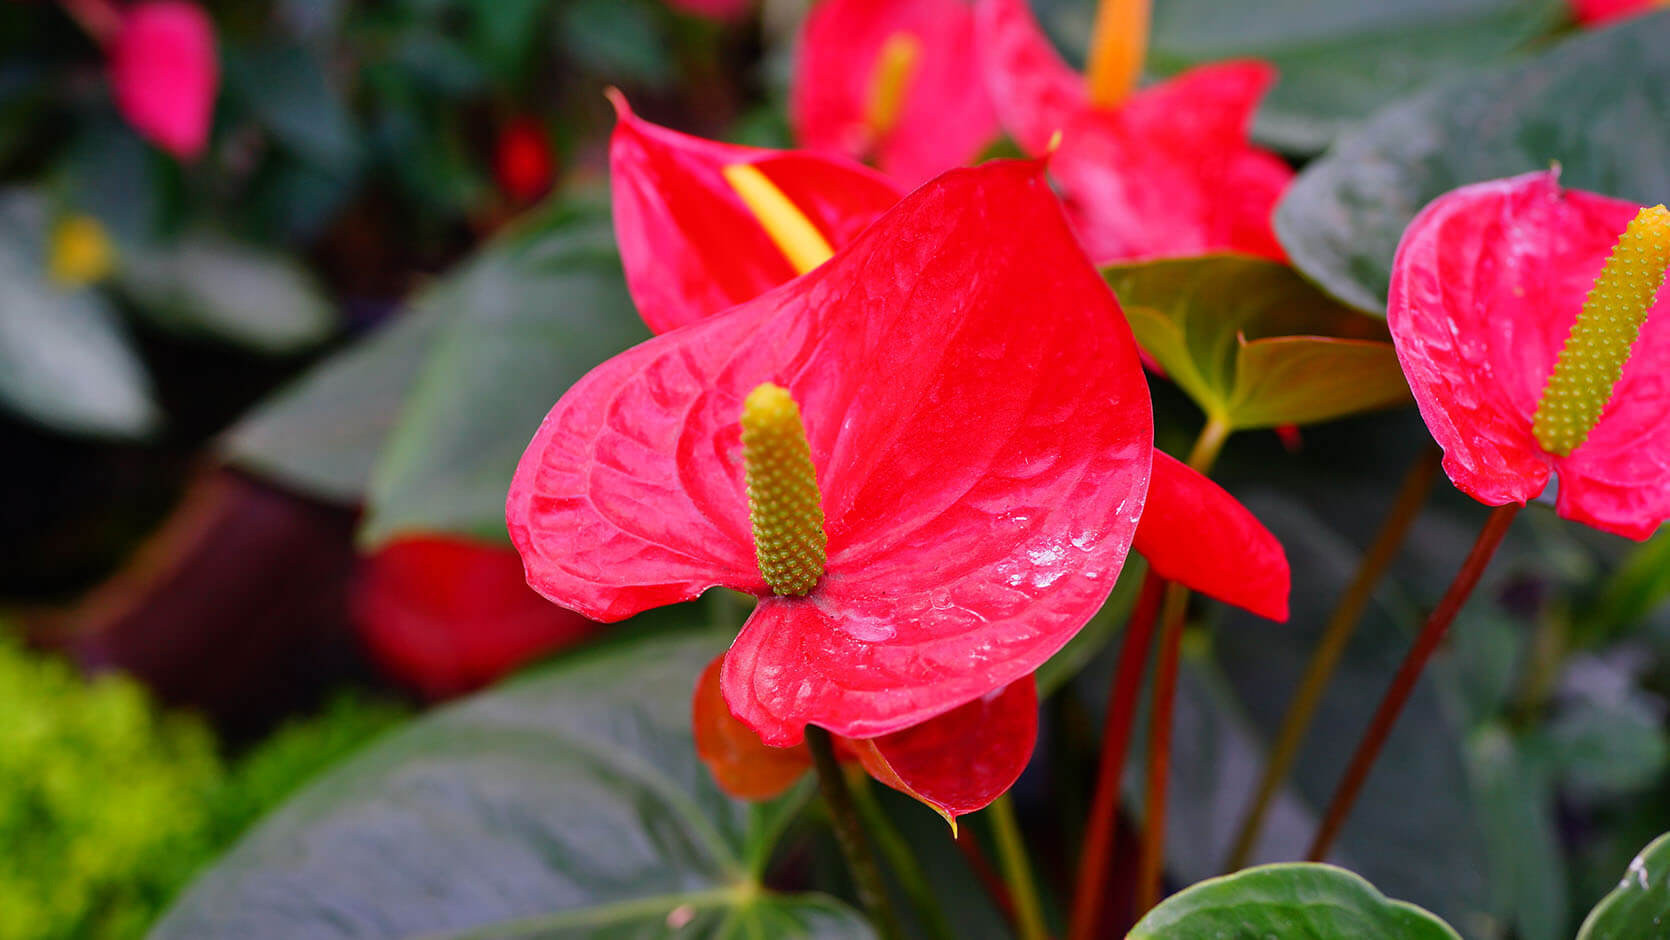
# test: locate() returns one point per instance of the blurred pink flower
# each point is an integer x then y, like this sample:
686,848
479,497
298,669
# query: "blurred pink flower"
713,9
164,71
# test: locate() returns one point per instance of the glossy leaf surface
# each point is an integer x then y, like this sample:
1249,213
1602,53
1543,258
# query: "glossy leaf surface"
1256,345
1636,908
567,805
912,335
1595,103
1487,283
1296,901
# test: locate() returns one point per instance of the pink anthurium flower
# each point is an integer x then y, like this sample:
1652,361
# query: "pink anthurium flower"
1487,288
450,615
1594,12
164,71
892,81
1163,171
976,440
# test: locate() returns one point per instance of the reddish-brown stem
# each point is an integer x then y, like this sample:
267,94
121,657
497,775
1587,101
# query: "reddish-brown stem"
1432,634
1151,863
1116,738
983,870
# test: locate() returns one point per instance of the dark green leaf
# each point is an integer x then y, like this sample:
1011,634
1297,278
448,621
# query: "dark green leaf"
524,322
1609,742
1639,908
65,360
1515,796
289,89
208,284
1256,345
1597,104
569,804
1296,901
621,40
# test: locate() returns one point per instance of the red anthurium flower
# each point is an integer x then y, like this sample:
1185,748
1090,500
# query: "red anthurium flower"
892,81
956,763
450,615
1592,12
164,71
1165,171
672,186
690,244
980,433
523,161
1487,285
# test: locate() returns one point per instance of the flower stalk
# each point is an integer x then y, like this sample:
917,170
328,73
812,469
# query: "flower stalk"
849,832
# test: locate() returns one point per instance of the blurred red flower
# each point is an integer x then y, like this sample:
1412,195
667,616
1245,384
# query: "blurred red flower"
523,161
450,615
1486,286
1166,171
164,71
892,81
1593,12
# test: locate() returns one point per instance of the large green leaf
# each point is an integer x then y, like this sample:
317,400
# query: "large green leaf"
1338,59
65,360
524,323
1297,901
1514,792
1639,908
1598,104
207,283
1256,345
570,804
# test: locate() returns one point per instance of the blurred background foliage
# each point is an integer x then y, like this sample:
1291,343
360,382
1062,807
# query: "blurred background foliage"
236,390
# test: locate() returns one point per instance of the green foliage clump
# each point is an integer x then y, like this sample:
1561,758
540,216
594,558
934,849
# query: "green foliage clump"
108,805
105,803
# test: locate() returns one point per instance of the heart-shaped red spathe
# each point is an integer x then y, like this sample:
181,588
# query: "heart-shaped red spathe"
689,244
956,763
1486,284
1220,550
981,431
164,72
450,615
1195,533
1169,172
946,118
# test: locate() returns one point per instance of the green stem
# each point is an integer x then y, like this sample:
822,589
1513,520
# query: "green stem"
861,860
1211,440
1011,852
903,862
1391,705
1342,624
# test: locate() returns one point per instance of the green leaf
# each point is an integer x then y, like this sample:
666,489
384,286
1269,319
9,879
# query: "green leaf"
207,284
1338,60
65,360
567,804
524,323
622,40
1597,104
287,86
1514,792
1296,901
1631,593
1256,345
1639,907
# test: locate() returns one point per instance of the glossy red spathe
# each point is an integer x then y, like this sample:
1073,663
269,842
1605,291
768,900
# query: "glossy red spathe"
450,615
943,118
1168,172
164,72
981,431
1486,283
689,244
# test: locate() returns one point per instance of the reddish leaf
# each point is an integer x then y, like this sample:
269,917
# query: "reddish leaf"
1196,534
964,759
450,615
1485,286
981,432
164,73
689,244
945,117
743,765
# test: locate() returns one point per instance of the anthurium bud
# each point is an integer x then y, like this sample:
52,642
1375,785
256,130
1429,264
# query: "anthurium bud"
1593,357
784,504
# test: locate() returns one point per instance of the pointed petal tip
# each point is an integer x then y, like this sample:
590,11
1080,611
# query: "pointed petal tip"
617,99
